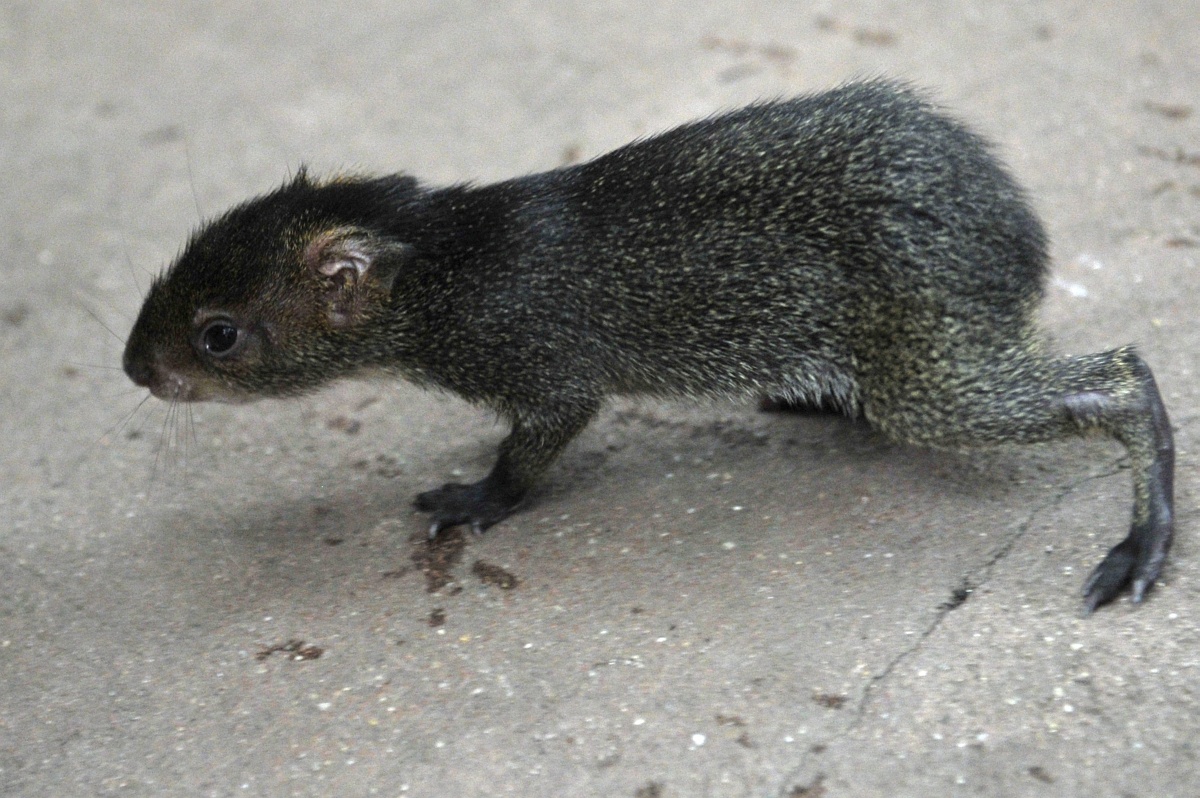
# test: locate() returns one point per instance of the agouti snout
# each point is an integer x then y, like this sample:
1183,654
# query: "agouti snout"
855,248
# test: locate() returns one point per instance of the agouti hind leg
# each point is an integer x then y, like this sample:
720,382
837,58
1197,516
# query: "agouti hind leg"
1029,399
1133,414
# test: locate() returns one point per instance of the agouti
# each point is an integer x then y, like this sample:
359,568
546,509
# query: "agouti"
856,248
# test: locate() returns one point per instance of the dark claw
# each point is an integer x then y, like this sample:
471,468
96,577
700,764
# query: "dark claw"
1128,563
454,504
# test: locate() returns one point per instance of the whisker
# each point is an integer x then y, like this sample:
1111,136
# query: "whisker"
187,149
103,366
163,436
112,431
174,447
132,268
97,319
181,434
192,428
124,420
85,299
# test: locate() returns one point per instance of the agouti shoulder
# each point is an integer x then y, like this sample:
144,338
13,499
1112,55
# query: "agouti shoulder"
856,248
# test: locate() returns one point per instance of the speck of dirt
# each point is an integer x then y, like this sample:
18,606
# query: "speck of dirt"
731,46
732,434
387,466
738,72
730,720
781,53
396,574
165,134
608,760
1178,155
15,315
744,740
958,597
437,617
333,541
1172,111
874,37
345,424
774,52
297,650
1040,773
814,790
653,789
830,700
571,154
436,558
494,575
636,610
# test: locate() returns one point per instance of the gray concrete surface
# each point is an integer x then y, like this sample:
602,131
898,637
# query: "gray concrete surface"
711,602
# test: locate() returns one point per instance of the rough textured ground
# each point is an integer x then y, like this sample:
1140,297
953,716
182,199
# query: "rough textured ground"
703,601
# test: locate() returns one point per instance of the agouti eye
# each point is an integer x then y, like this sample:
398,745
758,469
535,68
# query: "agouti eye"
220,338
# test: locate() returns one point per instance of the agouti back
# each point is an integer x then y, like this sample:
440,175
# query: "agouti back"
856,248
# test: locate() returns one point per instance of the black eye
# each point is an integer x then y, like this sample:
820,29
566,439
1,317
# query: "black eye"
219,338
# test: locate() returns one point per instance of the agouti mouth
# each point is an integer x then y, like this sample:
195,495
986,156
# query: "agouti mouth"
174,387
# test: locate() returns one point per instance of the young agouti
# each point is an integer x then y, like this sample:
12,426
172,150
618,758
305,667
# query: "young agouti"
855,248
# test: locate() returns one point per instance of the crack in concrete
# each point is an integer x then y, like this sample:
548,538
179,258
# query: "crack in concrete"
47,583
959,596
970,583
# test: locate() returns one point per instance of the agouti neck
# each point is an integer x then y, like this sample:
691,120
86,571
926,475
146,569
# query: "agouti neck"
465,242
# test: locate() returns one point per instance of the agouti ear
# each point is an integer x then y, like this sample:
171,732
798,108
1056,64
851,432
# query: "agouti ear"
356,271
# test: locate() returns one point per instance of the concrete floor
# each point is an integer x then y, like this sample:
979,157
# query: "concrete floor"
711,601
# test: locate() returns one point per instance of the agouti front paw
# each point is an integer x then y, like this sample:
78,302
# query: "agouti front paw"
453,504
1137,560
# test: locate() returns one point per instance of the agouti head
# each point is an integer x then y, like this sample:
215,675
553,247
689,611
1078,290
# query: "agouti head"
270,298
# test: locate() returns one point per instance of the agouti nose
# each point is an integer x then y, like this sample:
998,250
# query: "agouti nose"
139,369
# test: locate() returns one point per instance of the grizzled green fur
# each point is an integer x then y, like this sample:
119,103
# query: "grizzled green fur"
855,248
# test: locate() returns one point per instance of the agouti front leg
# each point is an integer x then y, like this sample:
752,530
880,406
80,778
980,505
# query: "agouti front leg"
534,443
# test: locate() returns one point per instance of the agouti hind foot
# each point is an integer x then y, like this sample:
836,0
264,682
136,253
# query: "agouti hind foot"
1136,561
477,504
1131,409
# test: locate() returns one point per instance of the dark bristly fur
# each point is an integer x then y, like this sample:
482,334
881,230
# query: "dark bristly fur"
855,248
